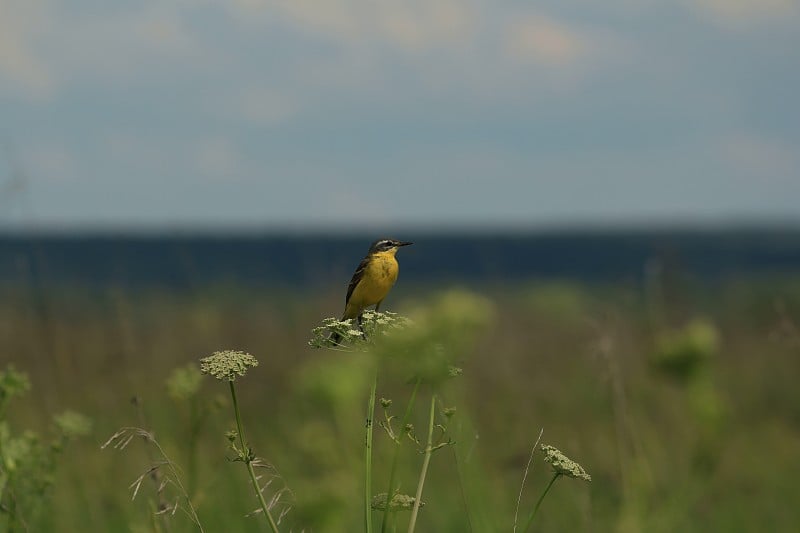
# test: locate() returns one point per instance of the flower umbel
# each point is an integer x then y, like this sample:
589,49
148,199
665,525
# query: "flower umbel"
562,464
227,365
374,325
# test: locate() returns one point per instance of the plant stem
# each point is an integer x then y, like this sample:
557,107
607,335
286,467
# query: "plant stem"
524,477
459,470
396,458
194,434
249,461
368,457
425,462
538,503
155,475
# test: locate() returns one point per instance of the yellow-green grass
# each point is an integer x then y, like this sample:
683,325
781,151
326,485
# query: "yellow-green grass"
573,360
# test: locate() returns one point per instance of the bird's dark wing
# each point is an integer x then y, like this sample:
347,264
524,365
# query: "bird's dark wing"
357,275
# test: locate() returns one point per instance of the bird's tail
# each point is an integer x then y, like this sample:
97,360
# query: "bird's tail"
336,337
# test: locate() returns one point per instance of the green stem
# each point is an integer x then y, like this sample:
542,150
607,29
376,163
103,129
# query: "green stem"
368,457
396,458
194,433
460,471
425,462
155,475
248,460
538,503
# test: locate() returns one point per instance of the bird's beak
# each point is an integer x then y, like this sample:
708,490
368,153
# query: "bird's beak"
402,243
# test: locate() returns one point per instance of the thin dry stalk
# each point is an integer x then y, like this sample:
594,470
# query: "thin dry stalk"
524,477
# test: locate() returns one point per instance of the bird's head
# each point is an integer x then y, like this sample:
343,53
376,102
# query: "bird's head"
387,245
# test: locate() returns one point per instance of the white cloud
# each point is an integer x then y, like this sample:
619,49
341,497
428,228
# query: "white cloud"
541,55
545,41
218,159
263,106
189,159
408,26
21,65
123,45
742,13
387,95
440,44
194,159
759,157
47,45
50,162
423,25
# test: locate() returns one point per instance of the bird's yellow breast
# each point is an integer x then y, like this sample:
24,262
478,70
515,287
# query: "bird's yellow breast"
378,278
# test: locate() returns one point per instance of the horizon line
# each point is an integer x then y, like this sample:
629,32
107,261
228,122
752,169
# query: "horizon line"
630,226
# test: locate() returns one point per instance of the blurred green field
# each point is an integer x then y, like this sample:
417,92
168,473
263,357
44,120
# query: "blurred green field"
674,441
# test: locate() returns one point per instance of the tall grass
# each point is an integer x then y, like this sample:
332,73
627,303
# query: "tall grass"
29,460
665,452
423,350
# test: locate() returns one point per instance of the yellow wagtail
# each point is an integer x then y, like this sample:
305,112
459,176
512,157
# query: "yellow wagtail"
372,280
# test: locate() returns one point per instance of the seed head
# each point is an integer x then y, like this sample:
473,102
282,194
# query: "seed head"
562,464
454,371
400,502
227,364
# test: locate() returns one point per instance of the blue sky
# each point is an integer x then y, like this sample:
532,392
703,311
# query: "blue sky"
339,113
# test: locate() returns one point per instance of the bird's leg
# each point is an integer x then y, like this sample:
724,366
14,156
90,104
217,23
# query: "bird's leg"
361,325
377,306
